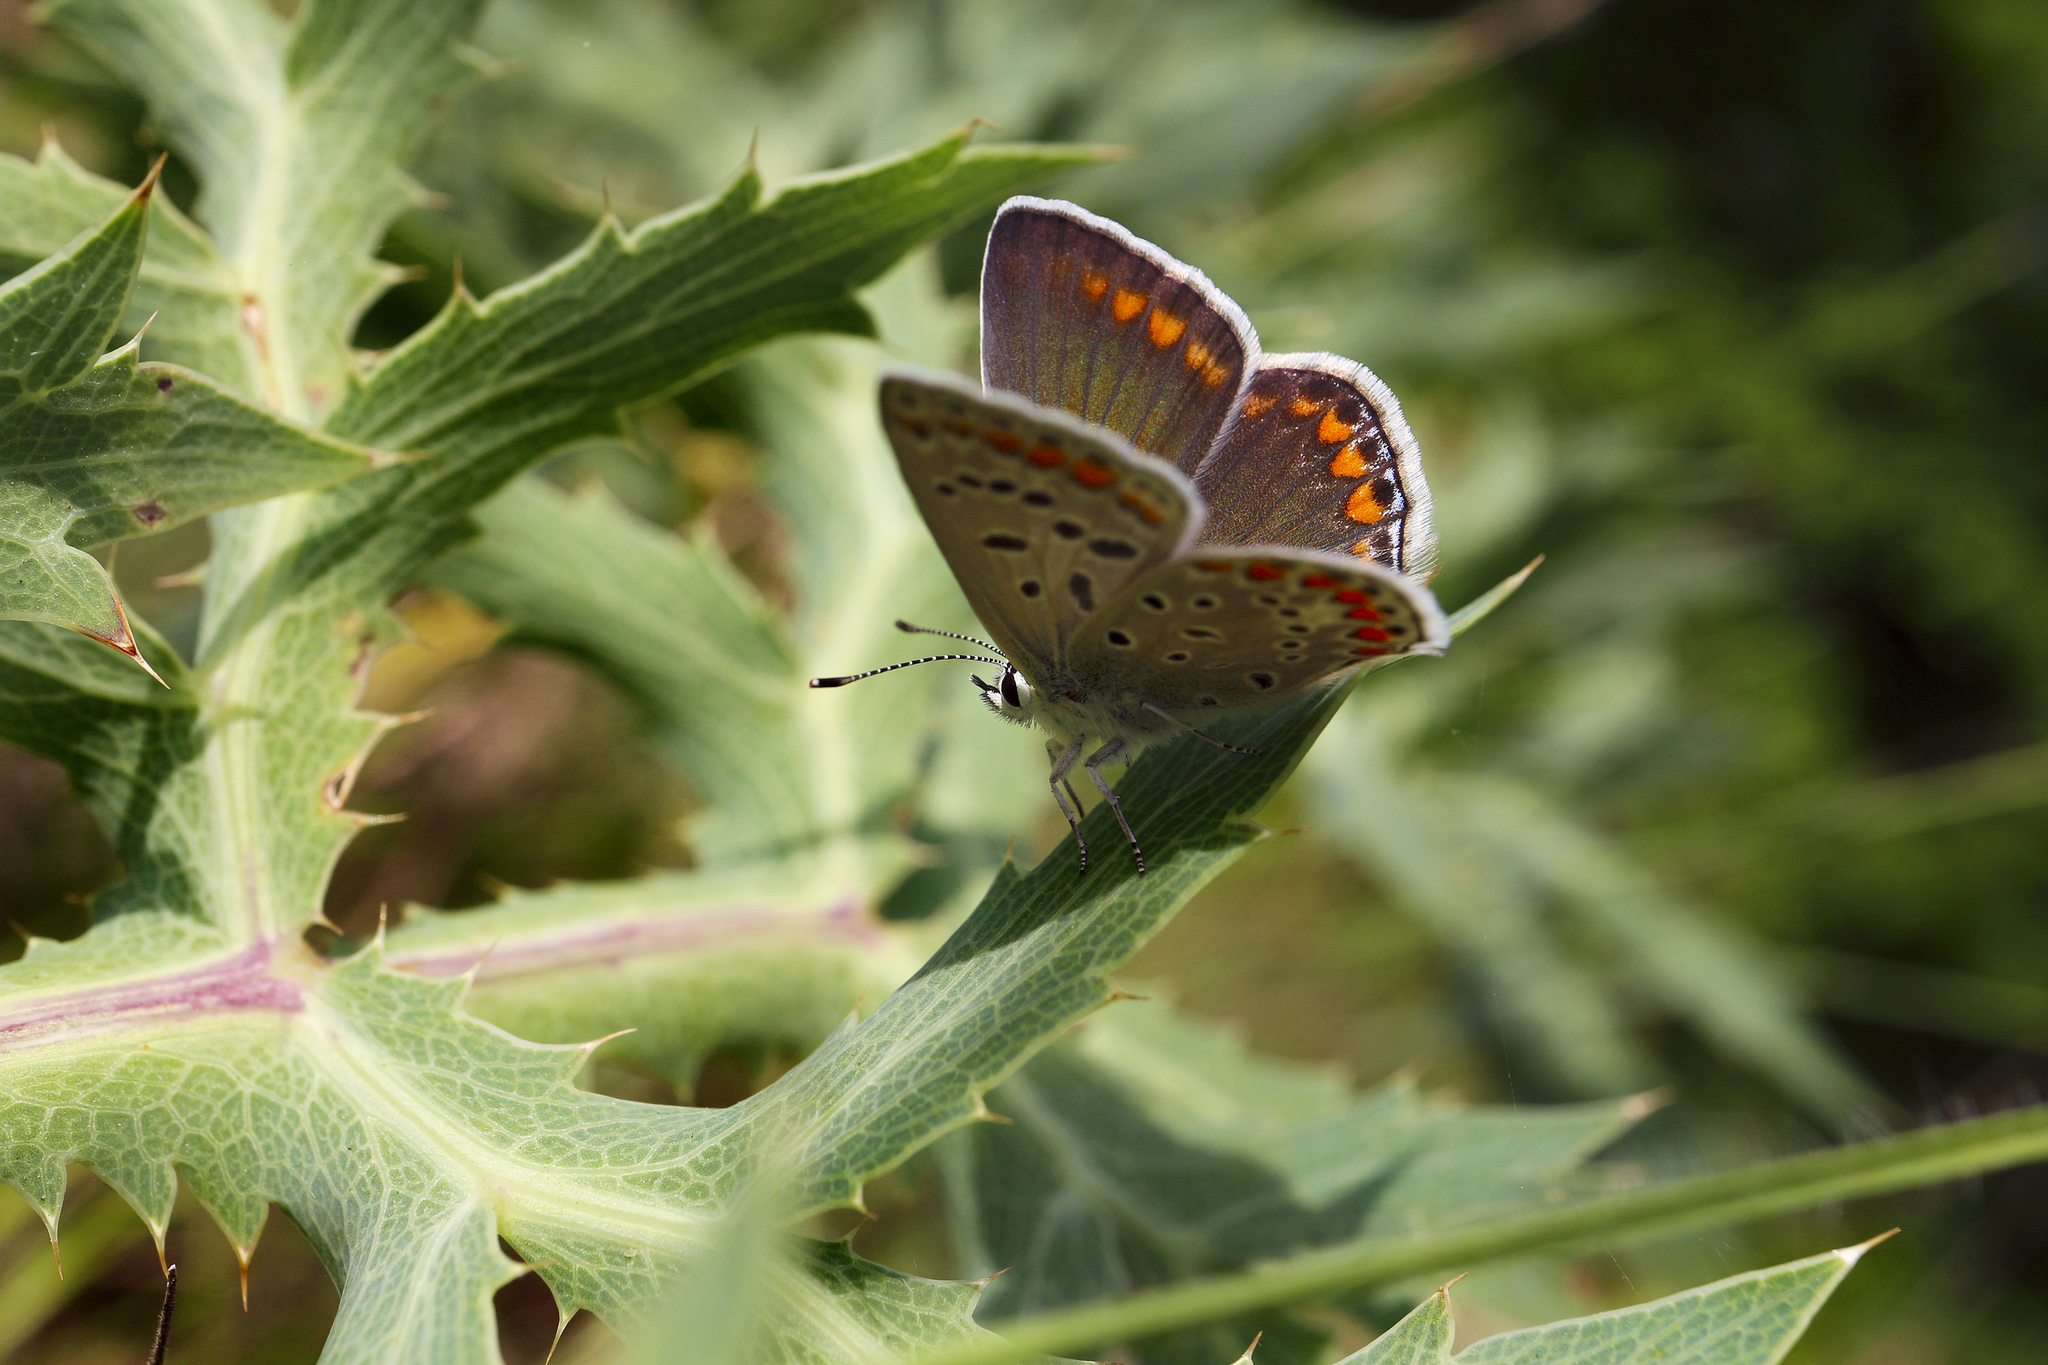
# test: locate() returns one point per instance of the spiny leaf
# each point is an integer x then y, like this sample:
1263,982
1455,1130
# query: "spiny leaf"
1751,1319
778,954
297,132
490,387
93,449
186,295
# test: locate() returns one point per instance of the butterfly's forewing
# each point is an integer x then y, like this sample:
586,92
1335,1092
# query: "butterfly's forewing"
1320,457
1041,518
1227,627
1078,314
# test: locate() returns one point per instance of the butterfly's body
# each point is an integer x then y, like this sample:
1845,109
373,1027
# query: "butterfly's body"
1157,523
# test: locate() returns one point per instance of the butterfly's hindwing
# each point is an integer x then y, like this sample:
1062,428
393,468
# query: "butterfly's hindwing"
1078,314
1320,457
1041,518
1231,627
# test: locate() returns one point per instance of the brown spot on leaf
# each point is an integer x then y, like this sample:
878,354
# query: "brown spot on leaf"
150,513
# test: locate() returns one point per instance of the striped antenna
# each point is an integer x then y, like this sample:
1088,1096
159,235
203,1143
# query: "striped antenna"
909,629
908,663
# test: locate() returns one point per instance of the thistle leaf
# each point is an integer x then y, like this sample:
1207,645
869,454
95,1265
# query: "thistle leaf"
95,448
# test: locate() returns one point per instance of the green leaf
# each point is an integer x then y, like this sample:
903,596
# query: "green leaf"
492,386
1149,1147
774,955
1668,1209
1421,1338
184,293
297,132
94,449
1751,1319
786,771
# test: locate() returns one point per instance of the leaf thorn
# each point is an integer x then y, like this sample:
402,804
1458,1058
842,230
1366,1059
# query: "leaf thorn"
1851,1255
595,1043
148,185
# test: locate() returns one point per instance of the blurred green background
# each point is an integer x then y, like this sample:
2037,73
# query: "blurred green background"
1735,312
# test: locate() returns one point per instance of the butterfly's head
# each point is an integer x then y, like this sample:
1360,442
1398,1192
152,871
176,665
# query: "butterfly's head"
1009,696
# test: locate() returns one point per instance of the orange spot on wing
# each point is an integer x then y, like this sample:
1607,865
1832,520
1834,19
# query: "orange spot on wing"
1362,548
1006,441
958,427
1094,284
1318,580
914,426
1264,573
1258,405
1368,649
1090,472
1348,464
1046,456
1373,633
1363,506
1164,328
1333,429
1203,362
1214,565
1127,304
1301,407
1363,614
1350,596
1150,514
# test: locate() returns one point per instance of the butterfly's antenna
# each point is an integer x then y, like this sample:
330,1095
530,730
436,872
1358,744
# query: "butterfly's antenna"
909,629
907,663
1197,733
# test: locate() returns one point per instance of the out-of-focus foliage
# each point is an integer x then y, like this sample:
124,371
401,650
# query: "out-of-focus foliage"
1735,312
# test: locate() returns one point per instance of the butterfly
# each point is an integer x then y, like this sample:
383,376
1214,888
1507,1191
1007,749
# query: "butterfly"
1156,522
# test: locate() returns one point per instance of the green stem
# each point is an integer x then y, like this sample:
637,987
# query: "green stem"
1830,1176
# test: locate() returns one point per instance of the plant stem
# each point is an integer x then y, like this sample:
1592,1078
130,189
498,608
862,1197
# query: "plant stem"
1906,1161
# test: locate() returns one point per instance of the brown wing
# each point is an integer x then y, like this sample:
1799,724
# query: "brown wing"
1078,314
1228,627
1041,517
1321,458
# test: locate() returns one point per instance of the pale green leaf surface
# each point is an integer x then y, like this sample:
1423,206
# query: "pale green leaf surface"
1422,1338
1751,1319
778,954
718,1307
185,294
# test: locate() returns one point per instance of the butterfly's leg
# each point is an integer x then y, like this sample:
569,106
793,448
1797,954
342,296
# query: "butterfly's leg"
1109,753
1062,764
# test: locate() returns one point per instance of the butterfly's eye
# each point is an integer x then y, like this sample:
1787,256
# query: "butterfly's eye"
1015,689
